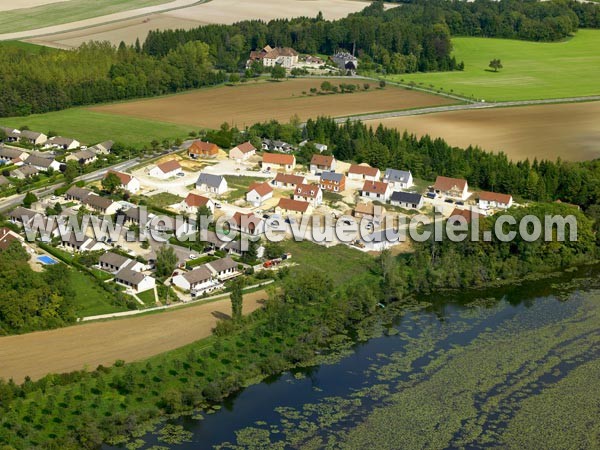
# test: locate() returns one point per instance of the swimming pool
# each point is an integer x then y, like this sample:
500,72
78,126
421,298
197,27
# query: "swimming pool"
45,259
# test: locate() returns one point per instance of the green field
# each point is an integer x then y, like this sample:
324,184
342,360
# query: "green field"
531,70
65,12
91,127
90,299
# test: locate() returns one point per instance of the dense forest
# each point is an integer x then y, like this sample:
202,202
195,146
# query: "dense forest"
31,300
415,36
309,313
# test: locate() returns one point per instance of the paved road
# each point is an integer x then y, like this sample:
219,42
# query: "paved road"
471,106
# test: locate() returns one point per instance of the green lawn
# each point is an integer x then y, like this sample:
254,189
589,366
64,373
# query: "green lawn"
163,199
341,262
90,298
65,12
531,70
148,298
31,48
239,185
90,127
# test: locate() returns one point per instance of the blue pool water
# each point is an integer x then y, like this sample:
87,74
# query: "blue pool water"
45,259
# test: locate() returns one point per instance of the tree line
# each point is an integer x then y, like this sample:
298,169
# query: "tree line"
410,38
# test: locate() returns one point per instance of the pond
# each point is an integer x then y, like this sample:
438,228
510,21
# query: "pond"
479,369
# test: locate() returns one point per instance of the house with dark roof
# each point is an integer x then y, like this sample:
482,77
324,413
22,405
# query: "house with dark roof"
74,243
24,172
100,204
12,134
215,184
77,193
135,281
398,179
83,157
62,143
198,281
42,163
103,148
33,137
113,262
21,215
406,200
8,154
332,181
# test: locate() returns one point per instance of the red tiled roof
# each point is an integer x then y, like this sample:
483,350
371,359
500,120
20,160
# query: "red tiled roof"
495,197
246,147
278,158
447,184
169,166
6,238
363,170
293,205
250,220
322,160
203,148
466,213
289,178
195,200
307,190
124,177
376,187
261,188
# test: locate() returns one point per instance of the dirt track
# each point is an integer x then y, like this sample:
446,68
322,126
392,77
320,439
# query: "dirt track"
89,345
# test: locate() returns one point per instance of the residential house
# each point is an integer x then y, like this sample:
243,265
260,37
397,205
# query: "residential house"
363,172
100,204
82,244
242,152
62,143
407,200
247,223
270,57
33,137
136,281
494,200
135,215
8,155
468,214
83,157
287,206
202,149
103,148
21,215
369,211
7,237
276,146
77,193
451,187
166,170
197,281
332,182
215,184
310,193
114,262
345,61
273,162
194,201
319,147
322,163
24,172
376,190
398,179
284,180
224,268
258,193
42,163
12,134
129,183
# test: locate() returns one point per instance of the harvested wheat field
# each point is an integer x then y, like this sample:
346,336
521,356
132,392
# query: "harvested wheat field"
214,11
250,103
131,339
569,131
